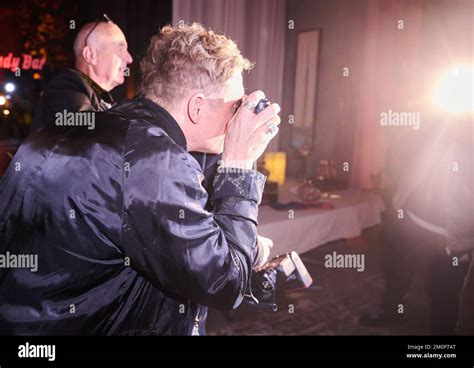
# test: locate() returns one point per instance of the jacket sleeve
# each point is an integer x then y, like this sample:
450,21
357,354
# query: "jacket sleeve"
184,250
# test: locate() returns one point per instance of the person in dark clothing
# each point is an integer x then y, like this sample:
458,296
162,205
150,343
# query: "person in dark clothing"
124,243
460,215
406,246
101,59
419,225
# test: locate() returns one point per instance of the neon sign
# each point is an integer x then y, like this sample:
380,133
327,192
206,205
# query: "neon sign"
24,62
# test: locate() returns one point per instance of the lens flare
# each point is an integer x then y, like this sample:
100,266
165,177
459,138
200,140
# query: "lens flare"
9,87
454,90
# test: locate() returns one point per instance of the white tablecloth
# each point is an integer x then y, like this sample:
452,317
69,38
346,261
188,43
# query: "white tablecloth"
310,228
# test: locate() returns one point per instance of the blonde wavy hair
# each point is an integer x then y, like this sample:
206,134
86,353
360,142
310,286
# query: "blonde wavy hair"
191,57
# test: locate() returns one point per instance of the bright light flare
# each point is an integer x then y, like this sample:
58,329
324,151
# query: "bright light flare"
3,100
454,90
9,87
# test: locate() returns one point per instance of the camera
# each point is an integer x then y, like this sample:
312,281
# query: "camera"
262,105
282,273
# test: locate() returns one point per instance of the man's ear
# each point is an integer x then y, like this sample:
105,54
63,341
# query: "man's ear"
89,55
195,107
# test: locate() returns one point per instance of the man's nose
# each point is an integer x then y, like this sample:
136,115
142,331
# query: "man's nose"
128,58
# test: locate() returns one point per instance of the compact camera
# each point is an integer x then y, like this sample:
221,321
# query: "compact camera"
262,105
282,273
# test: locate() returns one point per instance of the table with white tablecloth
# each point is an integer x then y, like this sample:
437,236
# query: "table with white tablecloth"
304,229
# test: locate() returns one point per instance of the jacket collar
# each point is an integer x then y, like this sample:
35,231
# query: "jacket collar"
167,122
101,93
143,109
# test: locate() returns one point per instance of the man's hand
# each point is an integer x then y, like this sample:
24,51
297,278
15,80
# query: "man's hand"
265,245
248,134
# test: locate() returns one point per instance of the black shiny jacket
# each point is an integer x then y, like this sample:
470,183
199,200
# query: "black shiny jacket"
117,219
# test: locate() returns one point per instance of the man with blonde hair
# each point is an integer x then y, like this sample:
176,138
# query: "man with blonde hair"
124,242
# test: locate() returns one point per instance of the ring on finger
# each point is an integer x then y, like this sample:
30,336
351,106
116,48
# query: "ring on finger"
272,128
250,105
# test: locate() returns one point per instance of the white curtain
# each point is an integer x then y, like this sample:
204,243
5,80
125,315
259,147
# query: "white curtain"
257,26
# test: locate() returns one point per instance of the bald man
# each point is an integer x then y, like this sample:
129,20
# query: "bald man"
101,59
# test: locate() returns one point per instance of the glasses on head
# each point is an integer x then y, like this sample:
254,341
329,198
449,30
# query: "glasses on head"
105,19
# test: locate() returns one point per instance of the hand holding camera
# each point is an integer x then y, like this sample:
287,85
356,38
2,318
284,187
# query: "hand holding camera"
282,273
265,245
250,130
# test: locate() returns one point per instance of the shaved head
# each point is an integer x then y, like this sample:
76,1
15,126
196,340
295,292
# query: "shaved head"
100,51
101,32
